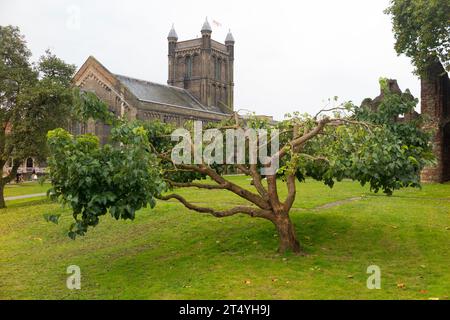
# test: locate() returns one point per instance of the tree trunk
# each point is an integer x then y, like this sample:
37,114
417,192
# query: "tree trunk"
7,179
287,234
2,196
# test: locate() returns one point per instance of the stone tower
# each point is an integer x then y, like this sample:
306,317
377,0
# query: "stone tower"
435,102
204,67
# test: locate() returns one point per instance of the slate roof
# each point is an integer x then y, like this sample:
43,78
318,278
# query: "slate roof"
172,34
229,37
206,26
147,91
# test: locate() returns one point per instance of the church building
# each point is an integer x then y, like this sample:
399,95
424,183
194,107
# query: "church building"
200,85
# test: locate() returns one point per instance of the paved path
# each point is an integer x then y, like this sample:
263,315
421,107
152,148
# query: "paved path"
336,203
26,196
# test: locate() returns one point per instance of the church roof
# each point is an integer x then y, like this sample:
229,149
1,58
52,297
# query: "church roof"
147,91
206,26
172,34
229,37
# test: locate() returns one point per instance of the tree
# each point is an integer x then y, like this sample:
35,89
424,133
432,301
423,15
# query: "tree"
422,31
136,168
33,100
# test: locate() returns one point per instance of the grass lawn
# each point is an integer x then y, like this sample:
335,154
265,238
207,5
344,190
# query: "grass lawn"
172,253
24,188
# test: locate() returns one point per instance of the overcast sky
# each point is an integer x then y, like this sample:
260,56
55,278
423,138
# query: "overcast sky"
289,55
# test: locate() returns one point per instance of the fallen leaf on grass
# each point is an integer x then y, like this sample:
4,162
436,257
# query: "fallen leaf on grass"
401,285
247,282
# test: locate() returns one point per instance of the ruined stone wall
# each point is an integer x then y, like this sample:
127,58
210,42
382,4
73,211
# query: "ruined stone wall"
435,97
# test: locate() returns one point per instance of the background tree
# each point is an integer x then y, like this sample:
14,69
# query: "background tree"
422,31
33,100
340,142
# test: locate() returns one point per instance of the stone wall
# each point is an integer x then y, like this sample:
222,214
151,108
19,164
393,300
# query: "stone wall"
175,115
435,97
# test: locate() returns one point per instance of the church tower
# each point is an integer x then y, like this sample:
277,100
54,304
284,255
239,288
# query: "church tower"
204,67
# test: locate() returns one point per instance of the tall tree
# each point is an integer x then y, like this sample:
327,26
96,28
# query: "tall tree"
422,31
133,171
34,98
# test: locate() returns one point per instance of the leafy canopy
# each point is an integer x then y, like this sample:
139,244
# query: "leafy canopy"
34,98
422,31
379,148
121,177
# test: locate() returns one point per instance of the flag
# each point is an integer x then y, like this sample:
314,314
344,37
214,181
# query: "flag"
218,24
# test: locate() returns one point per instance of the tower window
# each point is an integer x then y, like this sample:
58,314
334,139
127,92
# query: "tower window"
218,69
188,73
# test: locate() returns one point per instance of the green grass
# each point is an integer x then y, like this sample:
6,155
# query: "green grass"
24,188
172,253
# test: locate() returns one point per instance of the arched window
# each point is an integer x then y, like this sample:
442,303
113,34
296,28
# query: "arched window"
217,96
179,68
29,163
213,94
217,69
224,96
196,65
225,71
188,73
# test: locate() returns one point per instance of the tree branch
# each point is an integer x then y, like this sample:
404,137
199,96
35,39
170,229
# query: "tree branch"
251,211
256,177
243,168
273,192
236,189
330,109
195,185
291,192
338,122
257,181
302,139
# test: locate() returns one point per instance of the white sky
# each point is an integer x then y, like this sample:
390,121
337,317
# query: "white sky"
289,55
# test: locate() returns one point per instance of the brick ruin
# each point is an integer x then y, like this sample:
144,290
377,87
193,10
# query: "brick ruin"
435,102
